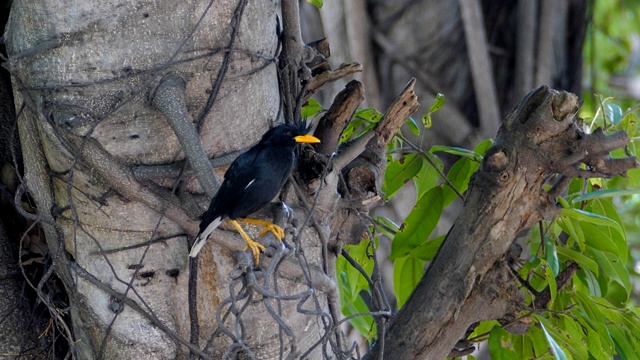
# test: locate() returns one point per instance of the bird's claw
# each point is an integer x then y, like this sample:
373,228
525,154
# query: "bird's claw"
274,229
256,248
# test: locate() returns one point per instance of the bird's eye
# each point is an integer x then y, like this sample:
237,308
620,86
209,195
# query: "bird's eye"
289,133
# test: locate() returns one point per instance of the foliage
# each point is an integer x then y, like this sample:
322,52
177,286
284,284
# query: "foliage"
612,49
609,50
316,3
591,317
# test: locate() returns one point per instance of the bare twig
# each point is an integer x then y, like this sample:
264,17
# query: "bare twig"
324,78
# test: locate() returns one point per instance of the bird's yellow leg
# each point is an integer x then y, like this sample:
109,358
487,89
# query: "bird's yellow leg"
267,226
255,246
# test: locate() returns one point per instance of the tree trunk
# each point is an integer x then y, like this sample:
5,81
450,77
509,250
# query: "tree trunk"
127,105
103,161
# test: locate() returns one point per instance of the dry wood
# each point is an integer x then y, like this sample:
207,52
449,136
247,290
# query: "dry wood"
539,138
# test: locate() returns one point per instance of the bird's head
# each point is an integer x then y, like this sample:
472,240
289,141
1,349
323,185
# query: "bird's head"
289,135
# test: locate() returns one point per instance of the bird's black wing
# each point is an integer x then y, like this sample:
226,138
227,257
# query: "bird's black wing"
269,171
239,174
226,199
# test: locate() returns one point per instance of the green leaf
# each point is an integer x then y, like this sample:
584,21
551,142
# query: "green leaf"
606,208
437,104
624,349
419,223
426,120
428,249
573,228
310,109
348,291
407,272
523,347
566,334
350,129
538,342
483,146
605,194
551,281
428,176
598,339
364,324
634,174
551,256
360,253
458,176
483,328
399,172
316,3
413,126
584,261
499,345
558,353
617,294
613,113
589,308
597,238
457,151
591,281
631,320
369,114
385,226
574,336
590,218
631,124
614,270
363,120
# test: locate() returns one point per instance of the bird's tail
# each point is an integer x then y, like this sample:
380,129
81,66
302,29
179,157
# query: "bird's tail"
203,236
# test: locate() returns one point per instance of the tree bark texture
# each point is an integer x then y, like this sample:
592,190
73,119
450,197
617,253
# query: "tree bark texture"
468,280
117,174
87,74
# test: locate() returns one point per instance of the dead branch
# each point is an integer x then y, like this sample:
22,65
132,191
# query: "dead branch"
333,121
506,196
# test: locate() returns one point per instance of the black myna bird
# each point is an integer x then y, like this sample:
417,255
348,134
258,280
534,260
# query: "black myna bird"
251,182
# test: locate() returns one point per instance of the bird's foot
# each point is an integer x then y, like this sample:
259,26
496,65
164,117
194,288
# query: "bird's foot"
255,247
267,227
275,230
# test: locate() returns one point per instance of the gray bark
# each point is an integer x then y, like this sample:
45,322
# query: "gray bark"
87,77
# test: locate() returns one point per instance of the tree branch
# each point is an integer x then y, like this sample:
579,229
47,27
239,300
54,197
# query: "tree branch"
295,55
169,99
405,104
333,121
506,197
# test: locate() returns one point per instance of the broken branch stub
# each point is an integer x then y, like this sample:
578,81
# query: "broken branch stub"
540,138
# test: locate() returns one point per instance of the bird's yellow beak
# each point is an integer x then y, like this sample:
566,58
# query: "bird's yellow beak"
307,139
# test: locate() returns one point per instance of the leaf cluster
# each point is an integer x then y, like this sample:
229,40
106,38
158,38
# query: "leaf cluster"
591,317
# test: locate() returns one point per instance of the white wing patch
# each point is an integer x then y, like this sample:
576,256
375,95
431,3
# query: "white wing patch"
249,184
203,236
